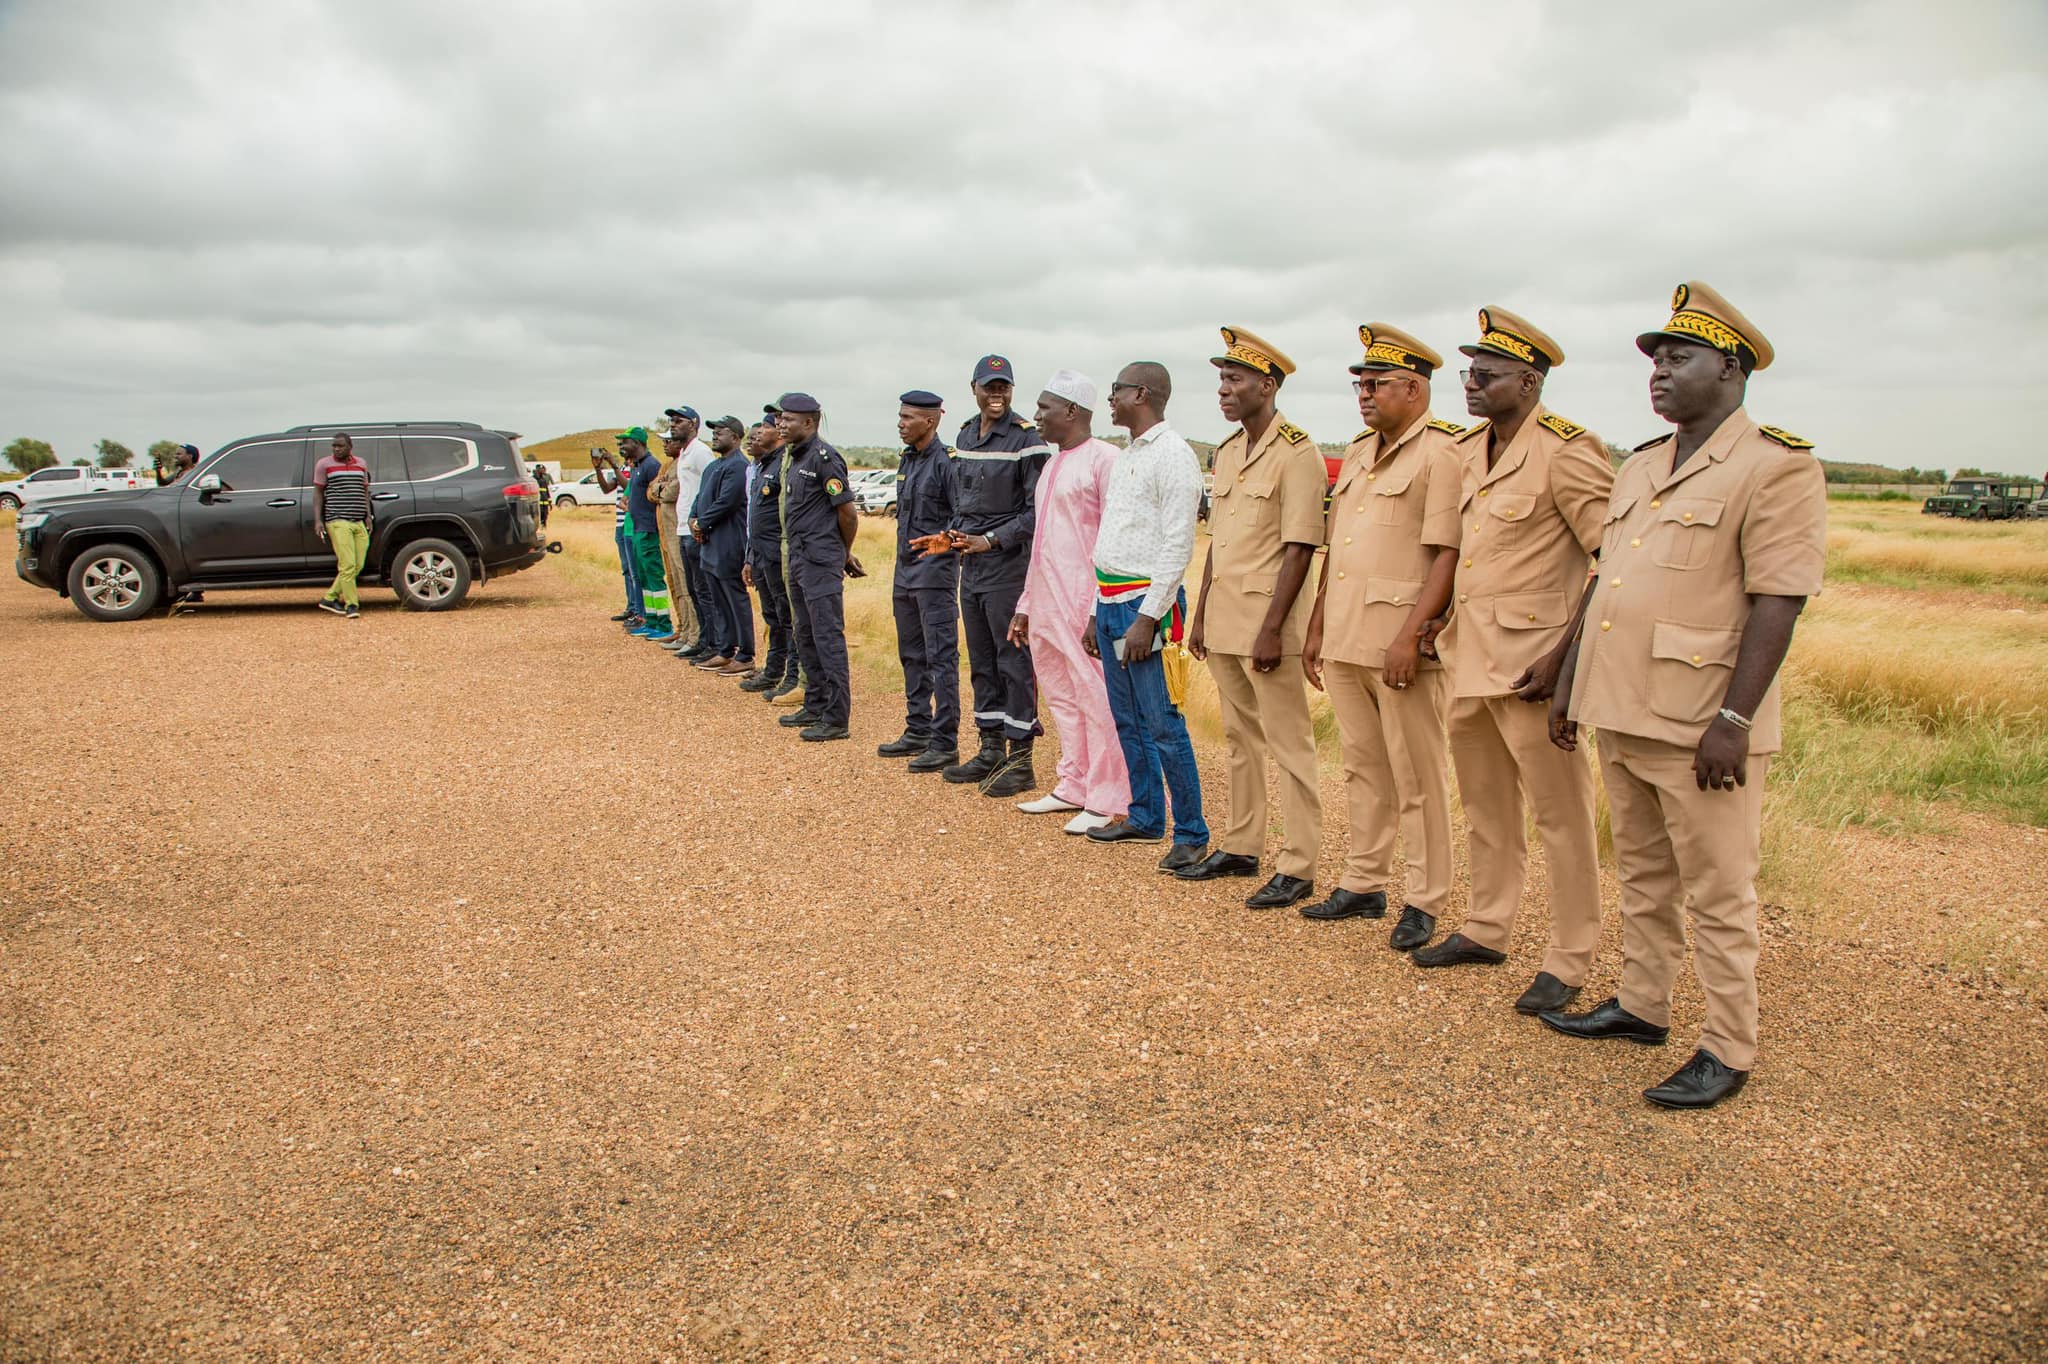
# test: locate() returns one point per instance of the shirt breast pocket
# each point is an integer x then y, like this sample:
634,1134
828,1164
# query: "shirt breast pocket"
1386,504
1510,512
1686,531
1260,502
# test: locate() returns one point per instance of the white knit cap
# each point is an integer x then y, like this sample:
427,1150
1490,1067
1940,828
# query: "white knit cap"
1076,387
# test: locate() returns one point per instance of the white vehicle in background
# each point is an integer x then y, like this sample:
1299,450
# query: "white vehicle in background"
584,492
70,480
878,493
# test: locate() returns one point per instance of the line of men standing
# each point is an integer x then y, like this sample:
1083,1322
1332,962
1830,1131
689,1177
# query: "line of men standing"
1484,591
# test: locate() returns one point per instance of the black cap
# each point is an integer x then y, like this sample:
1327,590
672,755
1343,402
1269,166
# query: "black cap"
800,402
993,367
918,397
731,424
770,410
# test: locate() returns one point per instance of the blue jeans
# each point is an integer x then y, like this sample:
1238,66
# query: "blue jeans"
1153,734
628,568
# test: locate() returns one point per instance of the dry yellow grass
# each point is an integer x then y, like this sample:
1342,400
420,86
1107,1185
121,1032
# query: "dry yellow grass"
1893,544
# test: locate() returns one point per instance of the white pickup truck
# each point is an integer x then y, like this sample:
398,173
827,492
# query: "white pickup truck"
70,480
583,492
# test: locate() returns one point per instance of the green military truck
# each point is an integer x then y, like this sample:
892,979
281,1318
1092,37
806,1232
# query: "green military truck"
1985,499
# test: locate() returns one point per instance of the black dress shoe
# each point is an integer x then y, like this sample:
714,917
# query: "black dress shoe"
1219,864
1546,994
1606,1019
1700,1083
1183,855
823,730
1281,891
902,747
1349,904
797,719
1459,950
1122,831
935,759
1416,928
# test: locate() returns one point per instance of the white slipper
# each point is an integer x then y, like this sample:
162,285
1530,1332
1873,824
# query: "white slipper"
1046,805
1086,820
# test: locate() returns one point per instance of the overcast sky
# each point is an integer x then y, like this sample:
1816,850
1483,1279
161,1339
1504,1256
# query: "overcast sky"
219,218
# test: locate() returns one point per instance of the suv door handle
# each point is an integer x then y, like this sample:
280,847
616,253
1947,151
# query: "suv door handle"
383,497
282,502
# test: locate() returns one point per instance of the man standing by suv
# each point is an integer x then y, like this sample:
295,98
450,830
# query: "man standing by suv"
341,515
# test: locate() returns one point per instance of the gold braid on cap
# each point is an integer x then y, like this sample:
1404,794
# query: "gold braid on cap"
1714,332
1240,354
1387,353
1513,345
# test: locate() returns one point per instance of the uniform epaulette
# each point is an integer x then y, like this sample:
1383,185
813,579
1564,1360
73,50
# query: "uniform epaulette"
1786,438
1362,435
1439,424
1560,425
1025,422
1656,440
1292,434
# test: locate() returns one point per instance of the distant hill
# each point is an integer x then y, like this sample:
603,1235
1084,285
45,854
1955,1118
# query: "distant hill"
573,451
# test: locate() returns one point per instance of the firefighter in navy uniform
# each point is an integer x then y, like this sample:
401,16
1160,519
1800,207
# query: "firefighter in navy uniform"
996,462
820,519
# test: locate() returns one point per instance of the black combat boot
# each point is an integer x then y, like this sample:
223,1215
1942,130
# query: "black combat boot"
1013,775
981,764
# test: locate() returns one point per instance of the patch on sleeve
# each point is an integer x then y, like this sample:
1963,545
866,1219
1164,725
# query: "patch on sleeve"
1657,440
833,487
1560,425
1292,434
1439,424
1786,438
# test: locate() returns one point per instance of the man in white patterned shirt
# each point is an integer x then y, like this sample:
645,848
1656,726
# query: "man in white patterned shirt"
1141,556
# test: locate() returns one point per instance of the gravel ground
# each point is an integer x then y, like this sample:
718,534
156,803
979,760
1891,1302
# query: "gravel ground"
387,996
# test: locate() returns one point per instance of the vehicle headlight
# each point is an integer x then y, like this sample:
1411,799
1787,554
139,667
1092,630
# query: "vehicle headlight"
29,520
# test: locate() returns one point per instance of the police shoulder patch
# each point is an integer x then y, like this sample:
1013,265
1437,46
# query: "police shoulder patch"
1292,434
1560,425
833,487
1657,440
1786,438
1439,424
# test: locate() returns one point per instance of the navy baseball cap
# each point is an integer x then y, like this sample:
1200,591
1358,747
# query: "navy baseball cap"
688,414
993,367
799,402
731,424
918,397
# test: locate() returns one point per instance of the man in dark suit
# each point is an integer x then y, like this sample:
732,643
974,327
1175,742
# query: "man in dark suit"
719,521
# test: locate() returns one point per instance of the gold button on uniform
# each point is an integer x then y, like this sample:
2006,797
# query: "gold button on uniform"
1468,563
1654,502
1607,625
1347,539
1686,517
1615,583
1482,492
1695,658
1370,477
1635,544
1532,615
1340,572
1464,596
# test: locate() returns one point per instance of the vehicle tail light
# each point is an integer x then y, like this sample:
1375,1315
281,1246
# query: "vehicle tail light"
526,489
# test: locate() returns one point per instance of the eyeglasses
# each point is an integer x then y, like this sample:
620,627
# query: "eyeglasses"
1139,388
1481,377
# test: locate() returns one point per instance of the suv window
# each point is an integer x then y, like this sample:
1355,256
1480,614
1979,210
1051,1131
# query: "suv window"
53,475
267,464
434,456
384,455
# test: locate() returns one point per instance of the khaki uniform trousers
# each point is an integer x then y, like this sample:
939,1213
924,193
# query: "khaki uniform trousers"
1672,843
1502,750
1262,712
1395,760
682,611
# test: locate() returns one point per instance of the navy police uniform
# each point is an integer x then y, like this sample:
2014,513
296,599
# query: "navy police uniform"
764,557
995,479
814,474
926,593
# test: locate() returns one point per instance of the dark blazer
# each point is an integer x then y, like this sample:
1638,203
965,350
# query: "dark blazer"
721,512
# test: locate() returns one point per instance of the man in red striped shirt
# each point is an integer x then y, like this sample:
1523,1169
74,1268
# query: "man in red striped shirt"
341,515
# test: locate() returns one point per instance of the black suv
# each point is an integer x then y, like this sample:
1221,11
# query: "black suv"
453,505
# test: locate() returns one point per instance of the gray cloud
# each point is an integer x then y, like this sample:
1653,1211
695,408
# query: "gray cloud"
217,217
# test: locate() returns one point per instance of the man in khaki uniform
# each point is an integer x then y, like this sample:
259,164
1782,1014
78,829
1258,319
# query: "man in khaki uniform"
683,612
1393,552
1266,519
1716,536
1534,495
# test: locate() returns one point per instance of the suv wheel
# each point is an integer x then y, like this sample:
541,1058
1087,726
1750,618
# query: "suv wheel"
565,500
10,502
430,575
115,582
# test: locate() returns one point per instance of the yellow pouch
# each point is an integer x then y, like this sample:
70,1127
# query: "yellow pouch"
1176,661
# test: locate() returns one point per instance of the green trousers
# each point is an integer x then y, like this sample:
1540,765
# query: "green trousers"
351,542
653,580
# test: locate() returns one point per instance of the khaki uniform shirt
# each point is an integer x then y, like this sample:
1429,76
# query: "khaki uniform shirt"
1681,557
1265,498
664,488
1528,528
1394,506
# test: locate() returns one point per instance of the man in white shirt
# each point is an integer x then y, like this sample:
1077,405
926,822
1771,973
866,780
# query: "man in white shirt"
690,465
1141,555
